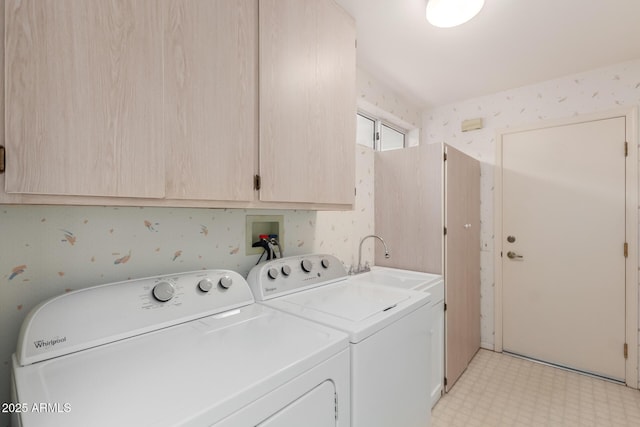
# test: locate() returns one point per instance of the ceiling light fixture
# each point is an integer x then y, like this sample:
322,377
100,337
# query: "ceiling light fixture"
450,13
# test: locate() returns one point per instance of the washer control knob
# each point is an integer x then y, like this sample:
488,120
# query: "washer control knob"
306,265
225,282
286,270
272,273
325,263
205,285
163,291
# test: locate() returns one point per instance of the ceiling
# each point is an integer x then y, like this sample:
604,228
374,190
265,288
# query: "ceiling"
510,43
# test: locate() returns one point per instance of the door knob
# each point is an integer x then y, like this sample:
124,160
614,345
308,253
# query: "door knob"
513,255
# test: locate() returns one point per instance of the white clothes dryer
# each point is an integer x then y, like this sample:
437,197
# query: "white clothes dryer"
189,349
388,329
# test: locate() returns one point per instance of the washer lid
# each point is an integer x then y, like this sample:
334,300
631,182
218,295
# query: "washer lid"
354,303
357,308
194,373
399,278
405,279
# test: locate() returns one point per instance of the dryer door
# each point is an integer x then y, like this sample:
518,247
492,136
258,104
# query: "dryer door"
316,408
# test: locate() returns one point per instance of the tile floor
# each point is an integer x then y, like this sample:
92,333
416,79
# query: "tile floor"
500,390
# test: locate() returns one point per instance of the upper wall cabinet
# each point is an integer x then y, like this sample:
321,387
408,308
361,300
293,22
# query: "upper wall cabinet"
211,90
307,102
84,97
147,102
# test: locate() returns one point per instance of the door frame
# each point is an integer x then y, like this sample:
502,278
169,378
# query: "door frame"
631,273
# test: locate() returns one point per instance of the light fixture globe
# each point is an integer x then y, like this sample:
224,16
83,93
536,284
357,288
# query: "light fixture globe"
450,13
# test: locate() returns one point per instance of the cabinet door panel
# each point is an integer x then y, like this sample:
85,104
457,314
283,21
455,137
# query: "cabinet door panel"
408,208
211,96
307,102
473,247
457,315
84,97
462,262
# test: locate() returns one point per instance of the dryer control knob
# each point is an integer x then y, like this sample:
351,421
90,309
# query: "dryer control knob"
163,291
286,270
306,265
325,263
272,273
225,282
205,285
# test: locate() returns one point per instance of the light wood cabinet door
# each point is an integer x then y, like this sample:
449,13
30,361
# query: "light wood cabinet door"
408,209
84,97
462,262
210,122
473,249
307,102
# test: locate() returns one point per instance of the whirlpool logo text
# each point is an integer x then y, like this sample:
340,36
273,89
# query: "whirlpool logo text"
49,343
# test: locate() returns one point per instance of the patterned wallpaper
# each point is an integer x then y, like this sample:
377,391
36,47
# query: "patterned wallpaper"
48,250
594,91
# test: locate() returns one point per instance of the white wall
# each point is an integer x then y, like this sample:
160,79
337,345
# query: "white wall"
594,91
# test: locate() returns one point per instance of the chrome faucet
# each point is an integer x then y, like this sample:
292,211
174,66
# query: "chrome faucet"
360,268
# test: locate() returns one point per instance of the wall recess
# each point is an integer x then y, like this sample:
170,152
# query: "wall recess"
263,224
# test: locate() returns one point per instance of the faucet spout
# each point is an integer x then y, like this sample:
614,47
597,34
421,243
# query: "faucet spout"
360,268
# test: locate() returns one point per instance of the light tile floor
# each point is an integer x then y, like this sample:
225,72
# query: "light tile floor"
500,390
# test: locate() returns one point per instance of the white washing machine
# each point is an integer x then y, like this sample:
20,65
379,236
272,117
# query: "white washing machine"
189,349
423,282
388,330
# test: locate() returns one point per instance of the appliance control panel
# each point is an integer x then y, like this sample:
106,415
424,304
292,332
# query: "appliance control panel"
101,314
293,274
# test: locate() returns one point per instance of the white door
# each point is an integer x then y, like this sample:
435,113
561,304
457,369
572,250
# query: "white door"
563,234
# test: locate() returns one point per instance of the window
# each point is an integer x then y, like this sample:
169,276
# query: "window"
390,138
366,131
374,133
